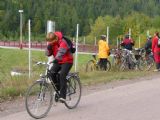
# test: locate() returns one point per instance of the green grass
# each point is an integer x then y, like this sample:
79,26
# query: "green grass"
18,59
105,77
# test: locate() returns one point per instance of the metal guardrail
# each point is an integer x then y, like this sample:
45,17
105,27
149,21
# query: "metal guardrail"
42,45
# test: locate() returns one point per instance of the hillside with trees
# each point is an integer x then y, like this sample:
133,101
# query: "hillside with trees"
93,16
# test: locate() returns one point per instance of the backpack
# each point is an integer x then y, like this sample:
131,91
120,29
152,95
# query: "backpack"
70,44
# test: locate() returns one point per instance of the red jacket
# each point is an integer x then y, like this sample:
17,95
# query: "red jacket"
52,49
127,43
156,49
60,50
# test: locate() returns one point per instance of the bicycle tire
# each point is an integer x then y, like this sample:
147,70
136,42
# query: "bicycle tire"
145,65
141,64
150,63
37,94
73,95
108,66
124,64
91,66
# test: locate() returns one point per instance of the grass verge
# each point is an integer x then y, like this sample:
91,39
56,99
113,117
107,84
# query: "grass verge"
11,87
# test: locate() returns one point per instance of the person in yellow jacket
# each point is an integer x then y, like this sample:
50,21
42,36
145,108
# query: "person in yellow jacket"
103,52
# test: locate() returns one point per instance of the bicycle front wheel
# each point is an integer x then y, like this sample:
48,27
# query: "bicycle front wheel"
91,66
73,95
108,66
39,99
124,64
150,63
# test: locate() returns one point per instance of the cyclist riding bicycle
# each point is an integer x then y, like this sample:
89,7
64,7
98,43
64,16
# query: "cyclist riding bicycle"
63,60
103,52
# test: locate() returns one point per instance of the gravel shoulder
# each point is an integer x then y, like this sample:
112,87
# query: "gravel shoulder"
17,105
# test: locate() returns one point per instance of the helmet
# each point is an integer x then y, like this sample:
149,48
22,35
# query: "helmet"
149,36
103,37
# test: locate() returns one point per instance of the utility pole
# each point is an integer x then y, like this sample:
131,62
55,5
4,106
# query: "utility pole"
21,25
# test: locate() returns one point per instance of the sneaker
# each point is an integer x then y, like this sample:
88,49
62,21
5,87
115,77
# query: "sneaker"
54,93
62,100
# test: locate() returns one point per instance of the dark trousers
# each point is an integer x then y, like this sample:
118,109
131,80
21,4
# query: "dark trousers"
63,70
103,63
158,66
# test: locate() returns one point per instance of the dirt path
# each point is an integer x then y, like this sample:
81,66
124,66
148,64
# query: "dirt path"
14,106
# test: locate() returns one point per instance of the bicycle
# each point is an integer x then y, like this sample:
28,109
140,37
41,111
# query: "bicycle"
132,61
41,94
93,65
148,61
117,57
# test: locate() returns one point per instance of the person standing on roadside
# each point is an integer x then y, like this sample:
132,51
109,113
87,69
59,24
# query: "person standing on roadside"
156,50
103,52
148,45
127,42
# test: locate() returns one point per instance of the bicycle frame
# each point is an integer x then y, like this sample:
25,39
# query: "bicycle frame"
128,58
46,78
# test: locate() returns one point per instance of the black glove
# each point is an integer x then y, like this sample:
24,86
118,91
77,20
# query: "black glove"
55,61
49,47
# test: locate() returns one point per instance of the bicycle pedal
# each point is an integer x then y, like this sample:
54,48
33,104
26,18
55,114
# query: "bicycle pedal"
61,100
56,98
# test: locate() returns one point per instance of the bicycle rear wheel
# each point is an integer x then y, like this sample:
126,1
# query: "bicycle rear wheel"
73,95
124,64
150,63
108,66
145,65
39,99
91,66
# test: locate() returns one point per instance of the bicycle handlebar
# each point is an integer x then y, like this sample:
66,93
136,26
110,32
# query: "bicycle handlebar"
42,63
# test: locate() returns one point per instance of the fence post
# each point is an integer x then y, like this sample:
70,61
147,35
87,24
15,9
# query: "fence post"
76,54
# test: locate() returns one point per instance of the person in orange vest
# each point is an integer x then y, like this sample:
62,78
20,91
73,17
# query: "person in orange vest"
103,52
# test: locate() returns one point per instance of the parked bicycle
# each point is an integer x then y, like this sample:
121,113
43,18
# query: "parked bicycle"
93,65
41,94
117,57
132,61
149,61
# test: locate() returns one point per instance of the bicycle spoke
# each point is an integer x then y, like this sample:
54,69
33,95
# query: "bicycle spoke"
73,93
39,100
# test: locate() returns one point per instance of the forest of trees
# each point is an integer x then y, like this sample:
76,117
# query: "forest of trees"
93,16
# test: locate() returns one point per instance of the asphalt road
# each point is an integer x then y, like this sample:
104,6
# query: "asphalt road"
135,101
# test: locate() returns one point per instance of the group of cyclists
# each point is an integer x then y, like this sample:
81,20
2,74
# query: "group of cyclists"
104,50
151,46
